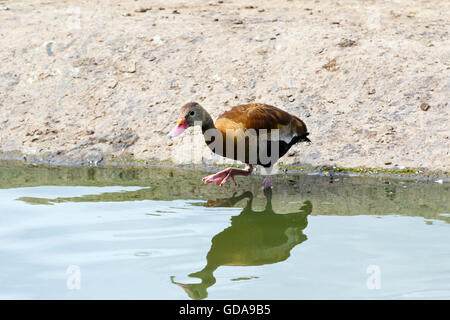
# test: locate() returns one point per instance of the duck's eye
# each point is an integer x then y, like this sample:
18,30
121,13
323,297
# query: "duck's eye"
192,113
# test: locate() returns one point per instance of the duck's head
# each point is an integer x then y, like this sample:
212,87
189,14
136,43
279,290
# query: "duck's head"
191,114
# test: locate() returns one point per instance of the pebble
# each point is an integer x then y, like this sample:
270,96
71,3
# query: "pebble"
330,65
141,10
49,48
424,106
111,83
157,40
320,50
346,43
126,66
149,55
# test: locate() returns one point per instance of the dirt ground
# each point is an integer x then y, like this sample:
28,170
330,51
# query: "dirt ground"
85,82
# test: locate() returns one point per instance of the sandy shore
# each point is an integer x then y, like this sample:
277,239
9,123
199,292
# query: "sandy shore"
353,196
87,82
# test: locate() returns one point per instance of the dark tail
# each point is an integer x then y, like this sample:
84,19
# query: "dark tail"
304,138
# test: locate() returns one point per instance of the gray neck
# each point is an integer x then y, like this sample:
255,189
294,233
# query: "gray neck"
208,123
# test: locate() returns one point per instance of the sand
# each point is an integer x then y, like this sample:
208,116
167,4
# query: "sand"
90,82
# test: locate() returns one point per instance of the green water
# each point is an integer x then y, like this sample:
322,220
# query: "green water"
159,233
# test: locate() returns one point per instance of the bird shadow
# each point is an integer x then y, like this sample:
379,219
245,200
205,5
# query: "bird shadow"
254,238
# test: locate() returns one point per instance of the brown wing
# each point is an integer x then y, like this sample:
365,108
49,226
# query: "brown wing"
262,116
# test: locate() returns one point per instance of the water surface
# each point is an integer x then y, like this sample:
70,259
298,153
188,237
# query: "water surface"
158,233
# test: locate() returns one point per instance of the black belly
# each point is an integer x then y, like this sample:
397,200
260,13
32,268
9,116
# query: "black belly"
271,151
282,147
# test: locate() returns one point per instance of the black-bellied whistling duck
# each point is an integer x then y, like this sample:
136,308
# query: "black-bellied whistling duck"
253,133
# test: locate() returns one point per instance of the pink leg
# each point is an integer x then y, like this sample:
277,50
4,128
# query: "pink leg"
223,176
267,182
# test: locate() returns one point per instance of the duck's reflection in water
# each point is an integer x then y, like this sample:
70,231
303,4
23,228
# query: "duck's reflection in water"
254,238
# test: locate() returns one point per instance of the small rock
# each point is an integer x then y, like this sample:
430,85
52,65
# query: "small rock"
424,106
388,163
371,91
320,50
157,40
111,83
395,15
49,48
124,65
149,55
346,43
175,11
331,65
142,10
